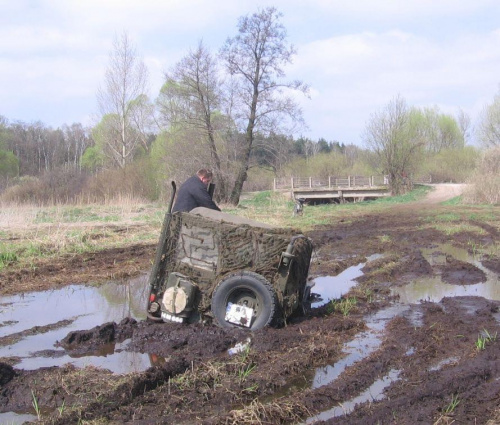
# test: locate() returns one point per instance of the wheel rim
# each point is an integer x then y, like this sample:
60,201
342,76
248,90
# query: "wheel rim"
247,298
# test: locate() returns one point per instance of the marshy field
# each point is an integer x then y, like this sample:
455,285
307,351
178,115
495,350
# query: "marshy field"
404,326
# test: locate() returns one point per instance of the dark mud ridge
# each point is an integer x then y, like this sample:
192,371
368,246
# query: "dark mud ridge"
391,350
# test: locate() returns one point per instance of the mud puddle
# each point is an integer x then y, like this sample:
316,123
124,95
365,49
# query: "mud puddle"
374,393
434,288
327,288
360,347
32,323
12,418
367,342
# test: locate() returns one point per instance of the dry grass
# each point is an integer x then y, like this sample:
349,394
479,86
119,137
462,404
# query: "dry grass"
495,420
485,184
277,412
29,233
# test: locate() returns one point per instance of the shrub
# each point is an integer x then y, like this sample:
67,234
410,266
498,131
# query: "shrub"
485,183
451,165
135,181
259,179
53,187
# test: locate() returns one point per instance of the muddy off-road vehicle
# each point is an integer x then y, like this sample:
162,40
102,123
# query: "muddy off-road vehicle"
212,265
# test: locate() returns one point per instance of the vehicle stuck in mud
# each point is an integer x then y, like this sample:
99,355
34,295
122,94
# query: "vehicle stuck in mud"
212,265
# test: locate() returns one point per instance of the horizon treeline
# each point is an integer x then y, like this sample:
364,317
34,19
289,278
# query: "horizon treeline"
232,111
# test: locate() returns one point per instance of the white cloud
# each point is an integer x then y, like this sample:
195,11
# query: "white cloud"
397,9
355,55
354,75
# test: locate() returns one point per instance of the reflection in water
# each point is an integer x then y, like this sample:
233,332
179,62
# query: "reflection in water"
363,344
434,289
374,393
89,306
12,418
333,287
444,362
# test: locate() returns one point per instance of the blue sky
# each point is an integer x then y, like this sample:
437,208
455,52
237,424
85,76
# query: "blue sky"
356,56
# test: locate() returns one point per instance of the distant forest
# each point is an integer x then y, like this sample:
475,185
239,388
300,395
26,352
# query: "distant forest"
235,113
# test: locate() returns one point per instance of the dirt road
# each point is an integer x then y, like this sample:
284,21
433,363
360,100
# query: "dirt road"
442,192
414,341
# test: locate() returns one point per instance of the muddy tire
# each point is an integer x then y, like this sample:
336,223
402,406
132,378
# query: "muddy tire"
249,289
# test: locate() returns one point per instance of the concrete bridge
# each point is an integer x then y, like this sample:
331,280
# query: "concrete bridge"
337,189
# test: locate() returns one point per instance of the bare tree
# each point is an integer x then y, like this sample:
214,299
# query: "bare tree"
312,148
120,100
256,58
77,140
464,122
396,142
191,98
488,130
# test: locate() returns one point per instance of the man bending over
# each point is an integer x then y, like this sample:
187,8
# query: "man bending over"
193,193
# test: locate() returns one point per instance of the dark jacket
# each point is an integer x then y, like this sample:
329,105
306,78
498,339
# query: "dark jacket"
193,193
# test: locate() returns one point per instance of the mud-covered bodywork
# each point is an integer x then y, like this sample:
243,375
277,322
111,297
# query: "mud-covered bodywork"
208,260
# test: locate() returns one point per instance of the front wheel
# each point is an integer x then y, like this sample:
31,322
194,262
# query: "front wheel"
246,289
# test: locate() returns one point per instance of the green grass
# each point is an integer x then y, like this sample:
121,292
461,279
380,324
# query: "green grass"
35,404
484,215
457,200
344,305
48,232
76,215
277,208
447,217
245,371
452,405
419,192
7,255
260,199
485,338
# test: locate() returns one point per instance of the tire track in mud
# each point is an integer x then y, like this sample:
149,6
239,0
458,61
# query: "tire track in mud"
428,336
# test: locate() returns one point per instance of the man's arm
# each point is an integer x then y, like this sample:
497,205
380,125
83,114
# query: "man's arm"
203,198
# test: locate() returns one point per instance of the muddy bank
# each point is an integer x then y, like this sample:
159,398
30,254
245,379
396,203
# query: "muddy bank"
379,361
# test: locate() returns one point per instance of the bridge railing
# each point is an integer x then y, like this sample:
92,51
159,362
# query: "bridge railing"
330,182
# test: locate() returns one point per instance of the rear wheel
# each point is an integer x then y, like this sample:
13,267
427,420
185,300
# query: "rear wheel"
245,289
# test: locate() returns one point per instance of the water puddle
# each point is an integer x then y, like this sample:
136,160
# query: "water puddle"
374,393
328,288
12,418
72,308
363,344
434,289
443,363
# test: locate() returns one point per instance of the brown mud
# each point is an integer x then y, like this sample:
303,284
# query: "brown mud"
429,360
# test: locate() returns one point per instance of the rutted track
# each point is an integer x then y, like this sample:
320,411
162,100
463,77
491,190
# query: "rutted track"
426,359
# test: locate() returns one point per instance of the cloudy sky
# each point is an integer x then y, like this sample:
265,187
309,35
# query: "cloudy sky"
356,55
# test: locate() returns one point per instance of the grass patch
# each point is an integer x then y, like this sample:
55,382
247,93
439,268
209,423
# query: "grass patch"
35,233
452,405
447,217
457,200
419,192
483,216
384,239
485,338
7,255
458,227
31,233
344,305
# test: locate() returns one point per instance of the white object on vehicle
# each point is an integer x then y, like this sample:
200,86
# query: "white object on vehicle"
171,318
239,314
